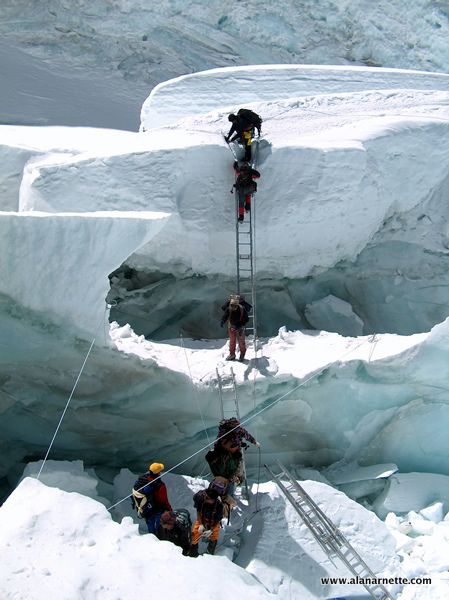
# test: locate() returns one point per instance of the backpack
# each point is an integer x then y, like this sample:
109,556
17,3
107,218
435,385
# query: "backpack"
245,180
220,485
241,300
183,518
250,116
141,502
226,425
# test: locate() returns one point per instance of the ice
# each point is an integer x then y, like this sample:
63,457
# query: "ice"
94,64
413,491
434,512
331,312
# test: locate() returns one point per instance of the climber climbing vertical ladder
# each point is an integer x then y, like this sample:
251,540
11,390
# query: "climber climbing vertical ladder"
231,409
245,254
328,536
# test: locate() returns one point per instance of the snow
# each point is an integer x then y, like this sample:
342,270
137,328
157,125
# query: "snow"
233,86
83,553
107,235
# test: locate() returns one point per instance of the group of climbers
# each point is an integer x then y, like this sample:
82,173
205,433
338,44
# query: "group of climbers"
149,494
150,498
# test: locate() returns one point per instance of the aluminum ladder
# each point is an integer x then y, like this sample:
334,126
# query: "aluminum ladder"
328,536
244,236
227,384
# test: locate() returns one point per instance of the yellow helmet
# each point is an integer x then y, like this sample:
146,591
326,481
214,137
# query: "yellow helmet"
156,468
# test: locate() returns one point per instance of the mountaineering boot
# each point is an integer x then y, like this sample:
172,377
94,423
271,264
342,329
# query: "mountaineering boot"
247,203
193,552
230,357
242,357
211,547
241,219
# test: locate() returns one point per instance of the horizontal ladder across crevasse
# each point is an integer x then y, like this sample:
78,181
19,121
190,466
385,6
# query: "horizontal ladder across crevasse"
328,536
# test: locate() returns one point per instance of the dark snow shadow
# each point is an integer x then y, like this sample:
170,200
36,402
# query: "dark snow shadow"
260,364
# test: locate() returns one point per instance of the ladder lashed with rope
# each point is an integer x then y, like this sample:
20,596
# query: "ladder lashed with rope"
326,533
228,409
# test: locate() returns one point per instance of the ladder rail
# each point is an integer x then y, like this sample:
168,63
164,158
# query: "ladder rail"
220,393
234,412
327,534
304,516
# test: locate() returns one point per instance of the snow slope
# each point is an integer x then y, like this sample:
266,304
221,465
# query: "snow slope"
83,553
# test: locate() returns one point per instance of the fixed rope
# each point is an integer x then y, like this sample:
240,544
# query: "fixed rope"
196,390
65,408
72,392
247,420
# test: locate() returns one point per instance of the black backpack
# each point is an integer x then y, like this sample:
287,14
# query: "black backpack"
245,180
250,116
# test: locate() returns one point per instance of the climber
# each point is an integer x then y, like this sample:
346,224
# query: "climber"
226,459
231,435
237,317
149,497
207,525
243,125
223,463
175,526
245,186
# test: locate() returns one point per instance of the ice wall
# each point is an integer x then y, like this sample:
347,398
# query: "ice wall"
375,181
50,262
352,202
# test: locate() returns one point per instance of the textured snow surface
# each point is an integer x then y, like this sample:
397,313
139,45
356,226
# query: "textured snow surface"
65,544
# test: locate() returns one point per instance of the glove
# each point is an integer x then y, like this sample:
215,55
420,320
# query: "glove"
226,137
201,529
257,445
207,534
235,165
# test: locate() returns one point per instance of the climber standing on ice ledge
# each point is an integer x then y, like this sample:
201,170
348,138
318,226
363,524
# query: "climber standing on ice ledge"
236,315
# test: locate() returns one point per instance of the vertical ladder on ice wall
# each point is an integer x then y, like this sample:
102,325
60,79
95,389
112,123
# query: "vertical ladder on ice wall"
244,236
228,409
328,536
